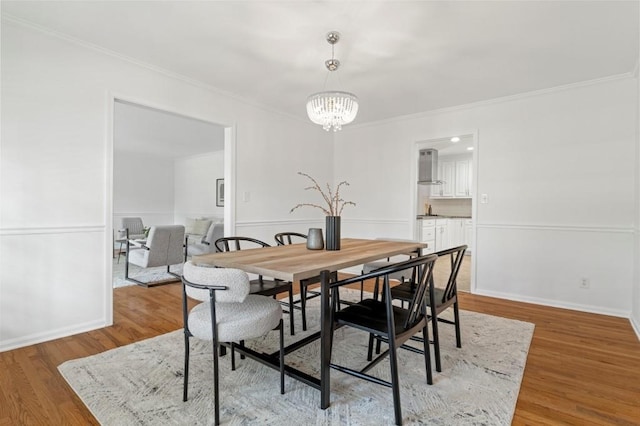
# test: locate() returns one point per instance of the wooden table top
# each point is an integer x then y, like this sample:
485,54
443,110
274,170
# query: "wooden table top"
295,262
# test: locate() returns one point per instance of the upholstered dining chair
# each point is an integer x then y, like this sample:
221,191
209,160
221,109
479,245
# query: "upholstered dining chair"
260,285
207,243
132,228
228,313
393,324
163,247
440,298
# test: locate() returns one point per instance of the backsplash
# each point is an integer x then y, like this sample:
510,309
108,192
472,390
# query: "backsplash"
447,207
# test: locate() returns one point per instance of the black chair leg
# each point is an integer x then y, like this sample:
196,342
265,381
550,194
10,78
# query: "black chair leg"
456,315
436,340
303,305
186,367
370,348
427,352
291,310
242,356
395,383
233,356
216,387
281,327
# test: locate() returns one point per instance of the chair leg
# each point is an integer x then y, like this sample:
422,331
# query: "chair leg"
216,389
456,315
427,352
281,327
242,356
186,367
370,348
233,356
395,384
436,340
291,310
303,304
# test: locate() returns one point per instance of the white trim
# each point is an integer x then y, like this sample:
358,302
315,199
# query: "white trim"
53,230
32,339
377,221
148,66
140,213
554,303
634,72
493,101
566,228
635,325
257,223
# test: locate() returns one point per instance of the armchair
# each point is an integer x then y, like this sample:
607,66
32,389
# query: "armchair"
163,247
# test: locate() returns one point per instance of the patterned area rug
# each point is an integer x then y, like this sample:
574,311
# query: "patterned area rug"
142,383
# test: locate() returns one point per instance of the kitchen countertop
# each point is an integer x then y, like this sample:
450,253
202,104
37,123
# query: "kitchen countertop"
440,216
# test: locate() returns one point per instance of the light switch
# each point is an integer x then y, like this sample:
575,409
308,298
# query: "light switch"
484,199
246,196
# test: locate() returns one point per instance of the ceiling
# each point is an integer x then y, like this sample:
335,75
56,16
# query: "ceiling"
398,57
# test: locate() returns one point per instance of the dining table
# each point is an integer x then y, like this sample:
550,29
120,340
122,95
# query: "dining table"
296,262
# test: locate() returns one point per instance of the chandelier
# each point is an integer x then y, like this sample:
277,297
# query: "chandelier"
332,109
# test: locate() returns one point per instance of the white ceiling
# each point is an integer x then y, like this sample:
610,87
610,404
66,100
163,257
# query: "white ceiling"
397,57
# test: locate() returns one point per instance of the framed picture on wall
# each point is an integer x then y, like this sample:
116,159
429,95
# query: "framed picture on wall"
220,192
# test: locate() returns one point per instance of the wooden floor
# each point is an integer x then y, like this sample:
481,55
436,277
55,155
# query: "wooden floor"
582,368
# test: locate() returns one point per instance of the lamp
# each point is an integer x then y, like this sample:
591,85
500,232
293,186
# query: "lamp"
332,109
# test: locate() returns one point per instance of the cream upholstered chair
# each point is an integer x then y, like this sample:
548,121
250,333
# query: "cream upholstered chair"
132,229
163,247
207,243
228,314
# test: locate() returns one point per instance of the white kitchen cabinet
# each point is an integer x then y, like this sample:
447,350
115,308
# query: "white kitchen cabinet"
446,174
442,234
468,234
456,232
428,235
457,177
463,179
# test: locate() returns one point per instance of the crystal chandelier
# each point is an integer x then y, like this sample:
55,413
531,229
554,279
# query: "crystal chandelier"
332,109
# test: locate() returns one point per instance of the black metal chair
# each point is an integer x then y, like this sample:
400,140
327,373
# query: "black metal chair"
261,286
225,294
285,238
440,299
384,321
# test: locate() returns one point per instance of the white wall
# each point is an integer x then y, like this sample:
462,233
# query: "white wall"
195,186
143,186
558,167
55,177
635,316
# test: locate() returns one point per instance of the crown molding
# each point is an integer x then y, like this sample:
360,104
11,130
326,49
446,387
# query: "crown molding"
495,101
150,67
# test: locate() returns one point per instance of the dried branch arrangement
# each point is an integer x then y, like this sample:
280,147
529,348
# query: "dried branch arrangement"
335,204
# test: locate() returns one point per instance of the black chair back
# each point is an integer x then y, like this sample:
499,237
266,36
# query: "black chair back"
456,256
238,243
283,238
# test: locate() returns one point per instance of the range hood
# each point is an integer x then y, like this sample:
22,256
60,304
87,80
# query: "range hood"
428,167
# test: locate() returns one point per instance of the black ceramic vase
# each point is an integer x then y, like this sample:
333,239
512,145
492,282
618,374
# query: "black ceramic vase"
332,231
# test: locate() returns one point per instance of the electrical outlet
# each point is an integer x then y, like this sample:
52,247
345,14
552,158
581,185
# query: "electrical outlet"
484,199
584,283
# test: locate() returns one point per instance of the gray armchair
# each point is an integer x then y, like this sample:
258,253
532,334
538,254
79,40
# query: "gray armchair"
207,243
132,229
163,247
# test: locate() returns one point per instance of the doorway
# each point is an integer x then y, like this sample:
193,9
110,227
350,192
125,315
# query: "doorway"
164,168
445,209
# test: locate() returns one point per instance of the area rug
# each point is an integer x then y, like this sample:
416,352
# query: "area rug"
141,384
146,275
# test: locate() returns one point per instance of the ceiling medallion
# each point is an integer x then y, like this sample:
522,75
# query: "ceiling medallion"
332,109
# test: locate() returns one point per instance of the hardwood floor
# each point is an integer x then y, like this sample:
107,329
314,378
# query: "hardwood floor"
581,369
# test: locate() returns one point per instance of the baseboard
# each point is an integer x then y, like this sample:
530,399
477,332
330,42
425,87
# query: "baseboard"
33,339
554,303
635,325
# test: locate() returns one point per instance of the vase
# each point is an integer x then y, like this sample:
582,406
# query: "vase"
314,239
332,232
